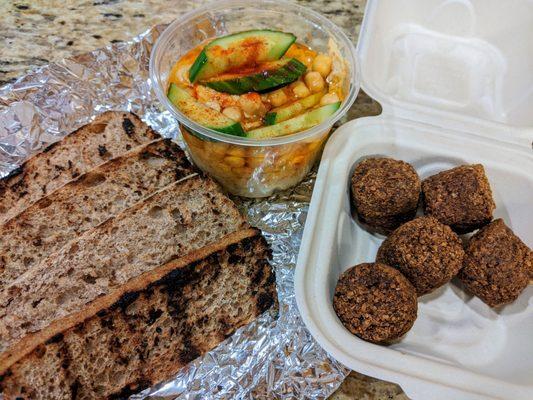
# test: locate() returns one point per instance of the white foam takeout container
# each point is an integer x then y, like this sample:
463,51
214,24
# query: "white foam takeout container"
456,84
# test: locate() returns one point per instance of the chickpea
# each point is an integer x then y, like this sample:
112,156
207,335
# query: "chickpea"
329,98
213,104
285,158
233,161
233,113
298,160
197,145
322,64
217,149
236,151
220,169
255,162
252,124
250,103
300,90
278,98
312,146
302,149
314,81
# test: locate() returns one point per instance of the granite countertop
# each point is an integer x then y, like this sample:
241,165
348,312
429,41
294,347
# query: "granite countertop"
36,33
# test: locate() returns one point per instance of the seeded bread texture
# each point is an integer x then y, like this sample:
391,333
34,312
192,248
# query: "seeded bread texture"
178,220
375,302
109,135
427,252
385,193
149,334
48,224
460,197
497,265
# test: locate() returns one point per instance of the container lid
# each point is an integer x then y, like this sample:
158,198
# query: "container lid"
459,348
462,64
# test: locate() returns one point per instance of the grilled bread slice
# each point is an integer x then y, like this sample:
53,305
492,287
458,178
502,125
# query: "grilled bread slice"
48,224
109,135
172,223
151,330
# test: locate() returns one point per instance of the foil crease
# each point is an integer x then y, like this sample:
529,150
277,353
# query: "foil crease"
274,356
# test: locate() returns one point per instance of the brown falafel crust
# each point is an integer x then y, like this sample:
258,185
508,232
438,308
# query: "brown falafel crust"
375,302
497,264
529,263
460,197
427,252
385,193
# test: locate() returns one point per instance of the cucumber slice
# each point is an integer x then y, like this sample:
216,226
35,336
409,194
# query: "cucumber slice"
202,114
239,50
286,112
265,77
296,124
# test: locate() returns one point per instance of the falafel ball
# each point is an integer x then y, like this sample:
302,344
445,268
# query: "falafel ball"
427,252
497,264
460,197
385,193
375,302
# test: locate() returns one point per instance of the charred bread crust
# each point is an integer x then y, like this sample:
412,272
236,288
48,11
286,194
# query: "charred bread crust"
121,296
168,311
31,319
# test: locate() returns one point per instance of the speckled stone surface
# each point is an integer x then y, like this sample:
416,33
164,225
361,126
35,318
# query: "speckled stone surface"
361,387
34,33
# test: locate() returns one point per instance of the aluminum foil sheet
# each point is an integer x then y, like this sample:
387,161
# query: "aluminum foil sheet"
274,357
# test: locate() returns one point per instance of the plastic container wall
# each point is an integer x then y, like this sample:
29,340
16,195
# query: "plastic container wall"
467,57
459,348
246,167
455,82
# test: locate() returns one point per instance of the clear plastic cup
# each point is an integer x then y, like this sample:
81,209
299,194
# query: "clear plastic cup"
249,167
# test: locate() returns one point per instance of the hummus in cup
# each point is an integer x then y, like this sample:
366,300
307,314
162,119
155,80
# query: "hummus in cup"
256,105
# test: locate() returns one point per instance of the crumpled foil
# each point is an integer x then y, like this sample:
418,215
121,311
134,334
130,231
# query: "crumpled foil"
274,356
